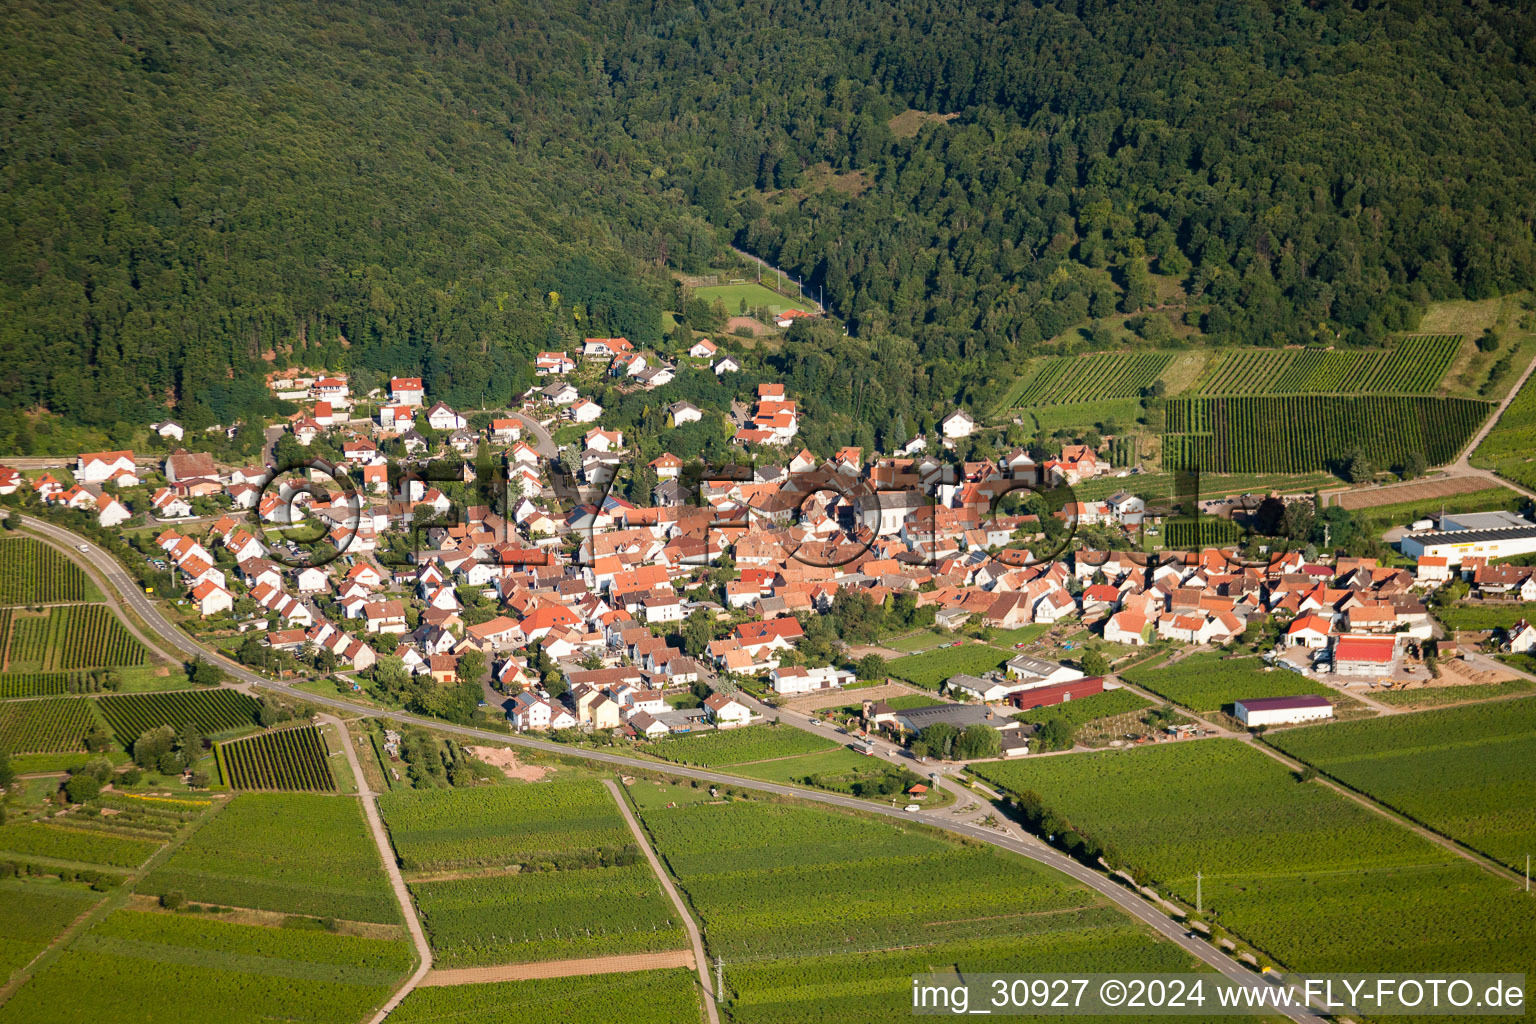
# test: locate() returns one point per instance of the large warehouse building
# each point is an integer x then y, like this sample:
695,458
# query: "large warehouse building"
1281,710
1473,535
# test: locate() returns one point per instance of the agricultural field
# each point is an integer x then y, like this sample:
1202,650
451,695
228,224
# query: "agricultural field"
1412,366
785,897
33,911
931,668
450,829
738,746
1378,518
1439,696
48,684
293,853
31,572
1060,380
910,701
282,759
213,711
69,637
1476,615
1286,865
1260,434
1110,415
1510,447
1205,532
1086,709
755,295
59,842
548,915
1465,772
646,997
1211,682
136,966
45,726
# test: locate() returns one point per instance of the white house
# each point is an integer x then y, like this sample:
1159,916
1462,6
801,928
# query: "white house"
586,411
211,599
957,424
1127,627
111,512
703,349
96,467
169,428
726,712
727,364
406,391
530,711
440,417
798,679
551,363
684,412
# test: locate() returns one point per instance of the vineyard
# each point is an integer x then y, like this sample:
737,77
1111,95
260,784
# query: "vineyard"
548,915
1465,772
29,839
285,759
293,853
1510,447
1086,709
47,684
67,638
646,997
1210,682
738,746
50,725
1300,434
1413,366
213,711
447,829
32,914
1058,380
931,668
1283,862
142,966
31,572
1206,532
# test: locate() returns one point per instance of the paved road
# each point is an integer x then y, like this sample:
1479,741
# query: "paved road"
543,443
391,868
1022,844
694,938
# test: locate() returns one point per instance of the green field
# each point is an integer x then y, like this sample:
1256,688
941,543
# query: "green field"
213,711
1110,415
931,668
800,903
1466,772
1291,867
448,829
288,852
1474,615
282,759
645,997
33,911
31,572
1060,380
1206,532
739,746
1377,518
1510,447
1413,365
31,839
146,968
46,725
548,915
1211,682
1430,697
756,296
66,638
910,701
1086,709
1259,434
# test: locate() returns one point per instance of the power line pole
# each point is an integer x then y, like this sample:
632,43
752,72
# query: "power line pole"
719,977
1198,909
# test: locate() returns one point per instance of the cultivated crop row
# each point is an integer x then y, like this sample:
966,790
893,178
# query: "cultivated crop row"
1061,379
71,637
31,572
50,725
1209,682
286,759
1305,433
738,746
213,711
1414,365
47,684
528,825
640,997
1203,533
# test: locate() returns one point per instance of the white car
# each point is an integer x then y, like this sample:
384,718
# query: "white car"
912,808
85,547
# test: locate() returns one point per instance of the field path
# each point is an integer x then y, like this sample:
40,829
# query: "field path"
396,882
677,900
621,964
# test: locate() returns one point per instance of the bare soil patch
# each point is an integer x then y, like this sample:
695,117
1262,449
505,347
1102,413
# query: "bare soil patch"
560,968
505,759
909,122
1424,490
837,698
735,323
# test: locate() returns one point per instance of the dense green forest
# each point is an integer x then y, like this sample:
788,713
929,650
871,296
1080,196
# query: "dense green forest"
196,192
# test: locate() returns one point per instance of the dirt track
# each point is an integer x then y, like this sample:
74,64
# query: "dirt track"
560,968
1423,490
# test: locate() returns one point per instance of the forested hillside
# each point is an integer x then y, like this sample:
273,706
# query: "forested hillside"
193,189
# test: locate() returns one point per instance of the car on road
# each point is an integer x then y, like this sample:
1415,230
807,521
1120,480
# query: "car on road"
1021,646
83,547
912,808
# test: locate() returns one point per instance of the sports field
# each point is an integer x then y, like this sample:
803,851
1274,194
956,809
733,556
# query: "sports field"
756,296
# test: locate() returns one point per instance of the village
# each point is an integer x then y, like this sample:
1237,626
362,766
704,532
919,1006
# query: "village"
578,611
